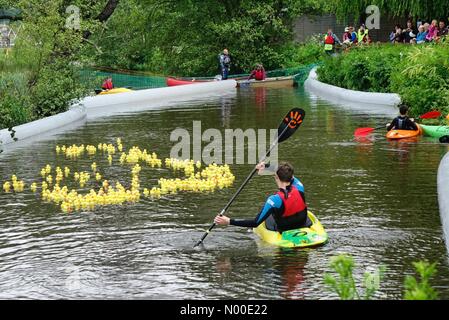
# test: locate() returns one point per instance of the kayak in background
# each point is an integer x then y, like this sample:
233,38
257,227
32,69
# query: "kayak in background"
297,238
171,82
268,82
401,134
435,131
113,91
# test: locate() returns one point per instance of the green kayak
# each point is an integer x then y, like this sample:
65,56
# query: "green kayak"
435,131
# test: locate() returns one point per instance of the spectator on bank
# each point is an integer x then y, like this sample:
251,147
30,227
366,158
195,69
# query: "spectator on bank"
330,40
397,36
421,36
347,37
353,34
363,35
442,30
409,32
432,31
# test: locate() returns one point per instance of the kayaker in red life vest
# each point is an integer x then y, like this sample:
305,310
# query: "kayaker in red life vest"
402,122
258,73
107,84
285,210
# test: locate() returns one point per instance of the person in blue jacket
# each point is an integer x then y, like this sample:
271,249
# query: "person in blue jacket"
225,63
282,211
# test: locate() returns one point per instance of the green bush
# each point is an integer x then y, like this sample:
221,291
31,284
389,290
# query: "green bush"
56,88
421,290
423,81
367,68
15,108
295,55
419,74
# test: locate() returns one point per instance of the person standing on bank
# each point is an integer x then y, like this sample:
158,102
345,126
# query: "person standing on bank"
225,63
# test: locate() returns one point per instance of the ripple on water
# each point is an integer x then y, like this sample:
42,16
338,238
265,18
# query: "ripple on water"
377,201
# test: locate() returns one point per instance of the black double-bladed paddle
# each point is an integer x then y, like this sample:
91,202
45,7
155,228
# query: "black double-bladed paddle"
292,121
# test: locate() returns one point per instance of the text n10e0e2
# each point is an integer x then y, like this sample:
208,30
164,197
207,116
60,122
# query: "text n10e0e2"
245,309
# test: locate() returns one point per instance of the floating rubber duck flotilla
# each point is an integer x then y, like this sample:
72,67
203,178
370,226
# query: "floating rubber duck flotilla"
103,193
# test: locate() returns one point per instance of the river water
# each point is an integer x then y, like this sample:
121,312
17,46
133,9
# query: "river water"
376,199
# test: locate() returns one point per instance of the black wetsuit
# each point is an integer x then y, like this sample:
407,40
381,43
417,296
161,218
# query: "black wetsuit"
402,123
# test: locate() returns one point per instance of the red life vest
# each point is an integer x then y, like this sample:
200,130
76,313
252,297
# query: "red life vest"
293,204
259,75
107,85
329,39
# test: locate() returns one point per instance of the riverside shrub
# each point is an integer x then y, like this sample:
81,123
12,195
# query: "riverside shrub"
419,74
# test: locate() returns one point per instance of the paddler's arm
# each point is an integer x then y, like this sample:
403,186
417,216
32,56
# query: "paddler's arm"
412,124
273,203
392,124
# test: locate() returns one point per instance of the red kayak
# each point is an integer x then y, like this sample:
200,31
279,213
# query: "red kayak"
180,82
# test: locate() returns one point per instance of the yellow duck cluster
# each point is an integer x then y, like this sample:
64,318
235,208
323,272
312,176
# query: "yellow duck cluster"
211,178
208,180
135,155
17,185
74,151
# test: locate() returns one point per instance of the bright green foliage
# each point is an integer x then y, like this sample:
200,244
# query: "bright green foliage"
421,290
344,284
419,74
366,68
423,79
39,76
304,54
184,37
14,108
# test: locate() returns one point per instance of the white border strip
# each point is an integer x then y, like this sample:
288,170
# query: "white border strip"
102,105
340,95
443,196
166,94
38,127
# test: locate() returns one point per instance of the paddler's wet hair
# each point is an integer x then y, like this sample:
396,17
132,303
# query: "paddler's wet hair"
403,109
285,172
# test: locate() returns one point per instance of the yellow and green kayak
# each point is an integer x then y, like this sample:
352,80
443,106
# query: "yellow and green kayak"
115,90
298,238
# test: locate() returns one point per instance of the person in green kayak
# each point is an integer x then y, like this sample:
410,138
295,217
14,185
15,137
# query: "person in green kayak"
285,210
402,122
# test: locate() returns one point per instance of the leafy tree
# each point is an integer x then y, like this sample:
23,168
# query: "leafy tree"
434,9
184,37
46,58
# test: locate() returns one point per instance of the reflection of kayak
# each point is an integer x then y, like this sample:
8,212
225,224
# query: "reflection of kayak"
401,134
298,238
171,82
268,82
435,131
115,90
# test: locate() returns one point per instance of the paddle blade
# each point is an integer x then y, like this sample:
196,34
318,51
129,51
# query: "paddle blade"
360,132
431,115
292,121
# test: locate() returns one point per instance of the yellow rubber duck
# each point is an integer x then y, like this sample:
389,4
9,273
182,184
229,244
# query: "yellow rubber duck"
7,186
